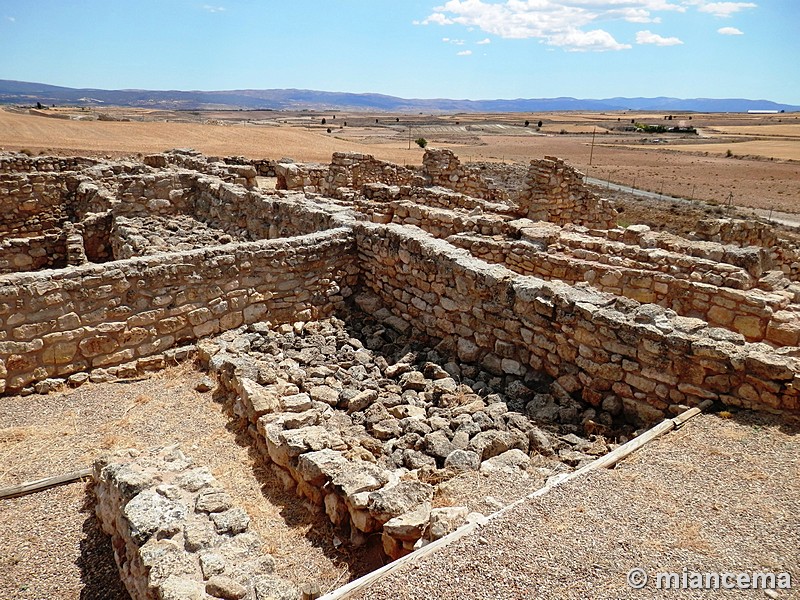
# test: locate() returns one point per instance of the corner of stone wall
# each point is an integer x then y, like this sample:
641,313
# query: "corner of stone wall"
176,533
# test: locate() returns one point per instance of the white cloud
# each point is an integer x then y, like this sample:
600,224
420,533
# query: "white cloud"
213,9
729,31
436,18
596,40
725,9
483,42
648,37
563,23
452,41
12,19
464,53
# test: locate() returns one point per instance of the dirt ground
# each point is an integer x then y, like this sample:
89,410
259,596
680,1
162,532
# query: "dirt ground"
718,495
51,545
763,170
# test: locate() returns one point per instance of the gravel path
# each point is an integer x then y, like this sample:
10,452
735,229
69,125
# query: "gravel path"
717,495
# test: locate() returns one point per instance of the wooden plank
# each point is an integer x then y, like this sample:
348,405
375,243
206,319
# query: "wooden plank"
30,487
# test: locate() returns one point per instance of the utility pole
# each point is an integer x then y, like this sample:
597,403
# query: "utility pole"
591,152
409,137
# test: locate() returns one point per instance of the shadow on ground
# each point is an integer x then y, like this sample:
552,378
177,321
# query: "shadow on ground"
99,572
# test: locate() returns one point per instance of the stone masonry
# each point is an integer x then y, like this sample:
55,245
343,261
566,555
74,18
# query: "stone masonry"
372,327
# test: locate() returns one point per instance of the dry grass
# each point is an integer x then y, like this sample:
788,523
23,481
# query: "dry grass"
116,138
770,149
682,170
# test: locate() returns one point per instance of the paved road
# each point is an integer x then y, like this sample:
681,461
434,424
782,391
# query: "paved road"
790,219
629,190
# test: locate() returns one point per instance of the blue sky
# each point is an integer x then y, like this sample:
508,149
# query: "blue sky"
412,48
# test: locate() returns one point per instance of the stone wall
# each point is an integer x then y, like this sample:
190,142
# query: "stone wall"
308,178
353,170
21,163
31,203
239,174
553,191
329,445
32,253
443,223
783,254
76,319
736,231
435,198
243,214
346,170
756,314
176,533
589,342
443,168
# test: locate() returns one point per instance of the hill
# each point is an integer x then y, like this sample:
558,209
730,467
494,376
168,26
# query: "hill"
21,92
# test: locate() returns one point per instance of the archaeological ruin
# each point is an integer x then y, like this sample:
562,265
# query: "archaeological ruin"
372,328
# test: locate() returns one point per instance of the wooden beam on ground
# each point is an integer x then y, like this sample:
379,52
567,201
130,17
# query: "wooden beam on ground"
30,487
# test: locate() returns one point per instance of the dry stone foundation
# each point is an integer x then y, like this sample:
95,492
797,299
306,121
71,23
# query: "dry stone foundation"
375,328
176,533
358,421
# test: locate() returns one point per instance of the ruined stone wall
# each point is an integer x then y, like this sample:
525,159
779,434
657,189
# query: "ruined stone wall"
346,170
309,178
47,251
783,254
353,170
31,203
638,242
435,198
176,533
736,231
81,318
244,214
592,345
443,223
316,438
756,314
161,193
86,196
553,191
264,167
21,163
239,174
443,168
255,216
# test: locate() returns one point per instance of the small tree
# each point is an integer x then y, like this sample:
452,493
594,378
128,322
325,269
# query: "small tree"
324,120
39,105
539,124
527,122
329,129
421,142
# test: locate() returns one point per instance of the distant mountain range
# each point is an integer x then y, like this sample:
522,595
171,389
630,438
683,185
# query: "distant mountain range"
21,92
